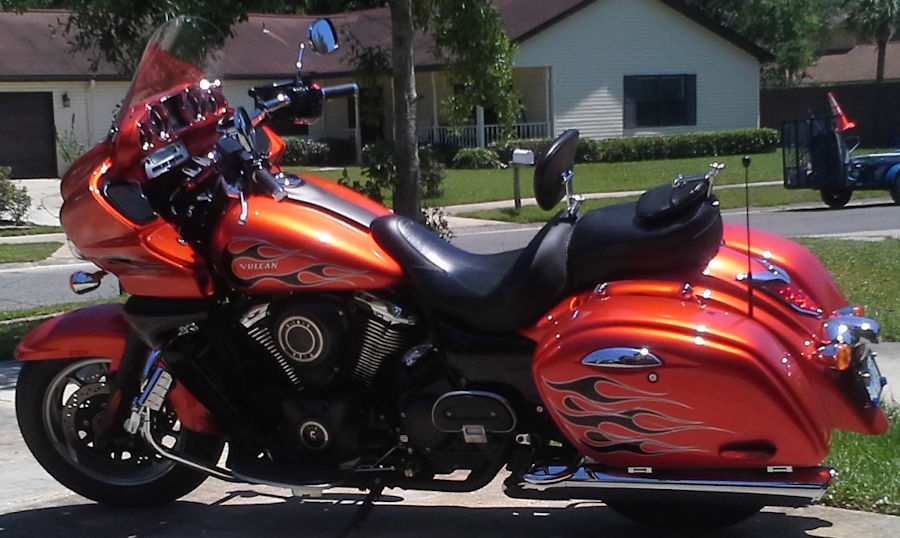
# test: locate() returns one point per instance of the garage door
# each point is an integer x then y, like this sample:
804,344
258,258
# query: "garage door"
27,134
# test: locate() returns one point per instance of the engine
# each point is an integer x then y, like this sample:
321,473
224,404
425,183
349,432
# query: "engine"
356,384
321,343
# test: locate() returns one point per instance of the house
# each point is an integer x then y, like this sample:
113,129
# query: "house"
611,68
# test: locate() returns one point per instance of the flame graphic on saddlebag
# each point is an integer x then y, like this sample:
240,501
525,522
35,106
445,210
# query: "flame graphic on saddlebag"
610,416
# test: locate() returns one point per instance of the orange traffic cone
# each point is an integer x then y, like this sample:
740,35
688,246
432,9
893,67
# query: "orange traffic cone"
842,123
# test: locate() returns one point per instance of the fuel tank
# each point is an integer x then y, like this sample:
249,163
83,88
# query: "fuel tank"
313,240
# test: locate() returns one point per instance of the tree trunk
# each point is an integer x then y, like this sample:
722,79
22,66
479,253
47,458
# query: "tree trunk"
879,70
407,199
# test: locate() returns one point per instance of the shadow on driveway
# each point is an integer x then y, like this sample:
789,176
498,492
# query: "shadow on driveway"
250,513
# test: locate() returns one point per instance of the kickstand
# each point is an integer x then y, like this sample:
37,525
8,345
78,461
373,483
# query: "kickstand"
363,512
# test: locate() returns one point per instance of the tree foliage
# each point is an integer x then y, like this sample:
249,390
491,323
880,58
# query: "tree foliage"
467,35
792,30
875,20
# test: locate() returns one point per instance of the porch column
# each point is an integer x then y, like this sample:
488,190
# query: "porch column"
547,104
435,131
479,125
357,135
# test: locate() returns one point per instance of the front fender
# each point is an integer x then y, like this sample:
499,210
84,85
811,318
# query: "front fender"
92,331
101,331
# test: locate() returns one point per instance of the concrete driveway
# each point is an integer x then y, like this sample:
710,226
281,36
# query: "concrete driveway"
33,504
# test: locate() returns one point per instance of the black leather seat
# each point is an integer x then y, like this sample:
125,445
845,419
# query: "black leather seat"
511,290
615,242
490,292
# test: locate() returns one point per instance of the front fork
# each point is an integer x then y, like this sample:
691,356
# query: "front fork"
151,399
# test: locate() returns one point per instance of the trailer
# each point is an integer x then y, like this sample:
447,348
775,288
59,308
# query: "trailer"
817,156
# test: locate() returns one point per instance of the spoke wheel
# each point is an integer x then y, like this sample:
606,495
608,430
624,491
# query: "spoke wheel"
60,406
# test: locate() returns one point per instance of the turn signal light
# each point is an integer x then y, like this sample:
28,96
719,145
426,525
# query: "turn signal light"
837,356
843,357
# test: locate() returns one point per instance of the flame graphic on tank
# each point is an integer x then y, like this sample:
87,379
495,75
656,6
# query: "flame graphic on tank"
610,416
251,262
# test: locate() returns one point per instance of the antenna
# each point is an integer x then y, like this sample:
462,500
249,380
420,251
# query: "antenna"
746,162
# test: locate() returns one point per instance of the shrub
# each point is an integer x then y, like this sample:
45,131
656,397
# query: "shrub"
14,201
680,146
380,169
504,150
643,148
475,158
341,151
431,172
305,151
435,220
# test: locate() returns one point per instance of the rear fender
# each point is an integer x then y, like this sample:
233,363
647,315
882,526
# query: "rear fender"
101,331
799,262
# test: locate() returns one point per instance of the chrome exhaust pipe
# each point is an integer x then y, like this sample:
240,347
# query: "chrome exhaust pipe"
775,486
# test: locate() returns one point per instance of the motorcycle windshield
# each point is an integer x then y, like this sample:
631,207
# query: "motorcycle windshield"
184,50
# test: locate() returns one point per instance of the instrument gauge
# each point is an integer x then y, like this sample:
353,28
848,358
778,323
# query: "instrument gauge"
159,122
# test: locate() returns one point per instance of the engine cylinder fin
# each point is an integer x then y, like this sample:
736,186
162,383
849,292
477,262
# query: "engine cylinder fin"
263,336
380,339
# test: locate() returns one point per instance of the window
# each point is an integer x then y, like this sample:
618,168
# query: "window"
660,100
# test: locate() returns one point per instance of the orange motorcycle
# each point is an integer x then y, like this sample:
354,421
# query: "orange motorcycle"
684,372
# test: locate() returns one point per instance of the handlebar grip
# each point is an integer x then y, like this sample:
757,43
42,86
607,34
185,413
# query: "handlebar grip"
341,90
267,180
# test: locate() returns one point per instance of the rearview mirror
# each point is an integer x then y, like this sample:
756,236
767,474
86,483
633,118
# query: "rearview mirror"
323,37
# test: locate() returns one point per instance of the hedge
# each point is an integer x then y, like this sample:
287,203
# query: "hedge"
656,147
475,158
304,151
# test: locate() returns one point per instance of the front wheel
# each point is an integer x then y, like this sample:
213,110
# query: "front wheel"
683,516
59,405
836,198
895,193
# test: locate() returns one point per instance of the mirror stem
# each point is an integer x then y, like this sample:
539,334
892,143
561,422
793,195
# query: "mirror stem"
299,62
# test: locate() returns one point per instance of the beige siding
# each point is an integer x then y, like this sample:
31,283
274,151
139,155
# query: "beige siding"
593,49
90,110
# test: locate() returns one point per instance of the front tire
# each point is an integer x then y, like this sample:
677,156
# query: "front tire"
836,198
58,406
895,192
683,516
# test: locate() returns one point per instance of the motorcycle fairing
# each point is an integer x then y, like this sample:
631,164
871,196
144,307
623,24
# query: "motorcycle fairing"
101,331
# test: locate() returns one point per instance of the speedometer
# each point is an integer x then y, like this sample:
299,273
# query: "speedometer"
158,122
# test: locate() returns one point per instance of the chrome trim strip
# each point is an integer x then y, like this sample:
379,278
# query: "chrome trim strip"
622,357
386,311
852,330
582,477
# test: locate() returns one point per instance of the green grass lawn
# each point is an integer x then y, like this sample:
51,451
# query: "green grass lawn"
27,252
868,469
867,272
470,186
33,229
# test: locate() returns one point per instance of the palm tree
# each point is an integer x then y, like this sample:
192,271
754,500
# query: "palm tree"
875,20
